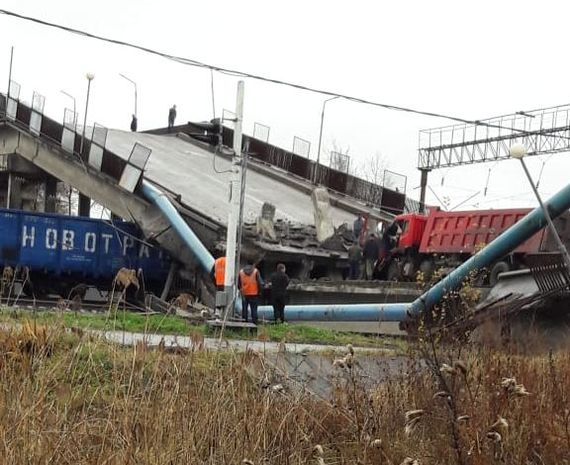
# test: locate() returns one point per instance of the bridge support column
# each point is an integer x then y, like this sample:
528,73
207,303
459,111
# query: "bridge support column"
84,205
423,187
14,192
50,202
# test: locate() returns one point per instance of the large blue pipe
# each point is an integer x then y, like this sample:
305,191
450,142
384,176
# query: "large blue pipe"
335,312
162,202
501,246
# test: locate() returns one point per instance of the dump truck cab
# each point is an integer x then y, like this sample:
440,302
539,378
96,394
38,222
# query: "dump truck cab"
412,227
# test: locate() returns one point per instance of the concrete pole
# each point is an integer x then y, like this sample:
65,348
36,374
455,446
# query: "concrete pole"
423,187
235,204
84,201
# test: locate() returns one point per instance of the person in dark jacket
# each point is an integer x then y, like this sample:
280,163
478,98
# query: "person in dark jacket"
354,259
357,227
171,117
250,284
134,124
279,282
370,256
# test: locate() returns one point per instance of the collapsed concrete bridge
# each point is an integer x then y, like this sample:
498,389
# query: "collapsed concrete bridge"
111,167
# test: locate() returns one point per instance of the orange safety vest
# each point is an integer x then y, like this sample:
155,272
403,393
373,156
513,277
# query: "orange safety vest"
220,271
249,286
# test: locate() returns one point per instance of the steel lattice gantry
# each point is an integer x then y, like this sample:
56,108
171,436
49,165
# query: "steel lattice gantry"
540,131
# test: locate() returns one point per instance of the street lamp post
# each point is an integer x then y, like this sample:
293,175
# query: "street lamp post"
321,137
74,108
84,201
519,151
90,77
135,85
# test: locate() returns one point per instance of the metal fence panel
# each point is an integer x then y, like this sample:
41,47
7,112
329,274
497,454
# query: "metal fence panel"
139,156
13,98
395,181
97,147
130,177
38,102
228,118
261,132
68,133
301,147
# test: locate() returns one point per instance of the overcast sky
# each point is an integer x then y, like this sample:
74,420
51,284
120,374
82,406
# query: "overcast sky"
468,59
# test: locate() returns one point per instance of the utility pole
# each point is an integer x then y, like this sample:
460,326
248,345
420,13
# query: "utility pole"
423,186
10,74
84,201
235,207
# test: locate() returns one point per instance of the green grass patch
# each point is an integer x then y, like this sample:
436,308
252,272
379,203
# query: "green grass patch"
119,321
170,324
308,334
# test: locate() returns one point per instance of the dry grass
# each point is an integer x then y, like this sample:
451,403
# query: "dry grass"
68,399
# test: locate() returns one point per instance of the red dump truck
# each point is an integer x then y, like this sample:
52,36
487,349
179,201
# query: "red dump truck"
443,239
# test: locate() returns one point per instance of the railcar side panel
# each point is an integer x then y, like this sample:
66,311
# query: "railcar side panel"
90,248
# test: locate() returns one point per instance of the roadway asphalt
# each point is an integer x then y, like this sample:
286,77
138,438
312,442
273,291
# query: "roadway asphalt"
191,171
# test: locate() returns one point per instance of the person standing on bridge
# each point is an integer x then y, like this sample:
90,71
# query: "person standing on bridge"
250,284
134,123
279,282
354,260
171,117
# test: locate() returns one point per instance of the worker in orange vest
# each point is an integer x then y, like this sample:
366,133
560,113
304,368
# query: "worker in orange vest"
219,273
250,284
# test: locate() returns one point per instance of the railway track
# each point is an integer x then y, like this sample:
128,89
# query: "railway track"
57,303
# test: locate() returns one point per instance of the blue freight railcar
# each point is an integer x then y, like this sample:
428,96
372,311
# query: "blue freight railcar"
62,251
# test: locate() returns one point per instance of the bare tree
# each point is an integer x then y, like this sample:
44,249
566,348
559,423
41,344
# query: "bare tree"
373,170
339,158
67,199
374,167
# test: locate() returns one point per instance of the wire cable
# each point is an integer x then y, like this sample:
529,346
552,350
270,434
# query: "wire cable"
237,73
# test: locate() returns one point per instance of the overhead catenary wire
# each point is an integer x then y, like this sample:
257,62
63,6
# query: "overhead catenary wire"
237,73
443,204
542,170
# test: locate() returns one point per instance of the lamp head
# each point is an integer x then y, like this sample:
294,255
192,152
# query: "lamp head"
90,76
518,151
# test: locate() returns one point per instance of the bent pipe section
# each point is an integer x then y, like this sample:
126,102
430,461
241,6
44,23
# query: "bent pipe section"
340,312
501,246
162,202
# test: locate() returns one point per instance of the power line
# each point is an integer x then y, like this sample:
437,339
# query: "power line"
237,73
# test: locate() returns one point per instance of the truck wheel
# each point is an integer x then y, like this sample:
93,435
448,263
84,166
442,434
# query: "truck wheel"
427,268
499,267
393,273
409,270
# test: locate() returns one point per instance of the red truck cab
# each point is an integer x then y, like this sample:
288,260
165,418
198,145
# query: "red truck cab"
412,226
